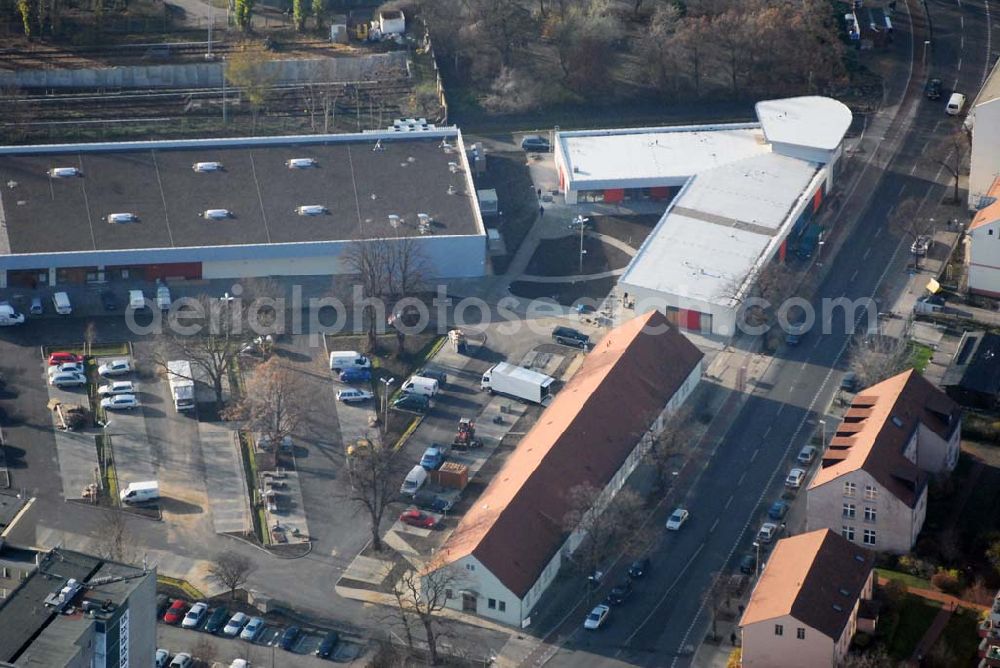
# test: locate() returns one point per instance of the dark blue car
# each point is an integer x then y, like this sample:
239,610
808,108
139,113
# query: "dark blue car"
355,376
289,637
325,649
778,510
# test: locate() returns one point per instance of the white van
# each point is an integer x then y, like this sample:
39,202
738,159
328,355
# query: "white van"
61,301
139,492
136,300
414,480
428,387
955,104
163,298
9,316
348,359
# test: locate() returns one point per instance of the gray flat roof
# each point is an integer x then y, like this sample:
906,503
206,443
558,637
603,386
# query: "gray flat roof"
34,633
408,175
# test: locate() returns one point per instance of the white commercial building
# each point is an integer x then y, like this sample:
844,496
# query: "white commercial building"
983,121
982,250
737,196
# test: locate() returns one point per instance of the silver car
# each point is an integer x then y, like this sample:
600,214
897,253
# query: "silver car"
117,387
119,402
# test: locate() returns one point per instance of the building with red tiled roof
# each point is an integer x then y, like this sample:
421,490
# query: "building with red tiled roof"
982,251
804,609
871,486
511,543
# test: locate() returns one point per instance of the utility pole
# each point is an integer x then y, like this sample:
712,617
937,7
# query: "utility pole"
211,20
386,382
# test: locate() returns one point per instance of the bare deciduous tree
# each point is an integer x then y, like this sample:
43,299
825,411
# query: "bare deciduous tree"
273,404
677,436
873,658
904,219
951,155
218,332
606,526
369,260
421,598
231,570
876,357
114,539
718,597
375,472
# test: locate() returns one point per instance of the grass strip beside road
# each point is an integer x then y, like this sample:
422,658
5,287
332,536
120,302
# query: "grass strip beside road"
106,461
189,589
94,350
250,473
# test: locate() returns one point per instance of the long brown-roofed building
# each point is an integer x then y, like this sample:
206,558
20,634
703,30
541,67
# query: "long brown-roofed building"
510,545
872,483
804,609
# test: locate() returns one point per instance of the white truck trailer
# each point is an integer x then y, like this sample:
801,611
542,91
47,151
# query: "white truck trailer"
181,384
518,382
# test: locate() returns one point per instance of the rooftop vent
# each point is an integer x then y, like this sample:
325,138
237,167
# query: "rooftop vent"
844,592
451,190
311,210
425,219
63,172
207,167
394,220
300,163
378,146
118,218
446,146
217,214
896,421
859,558
838,608
61,600
453,167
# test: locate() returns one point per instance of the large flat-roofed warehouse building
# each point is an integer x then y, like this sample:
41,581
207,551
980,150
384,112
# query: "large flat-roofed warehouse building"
234,208
737,196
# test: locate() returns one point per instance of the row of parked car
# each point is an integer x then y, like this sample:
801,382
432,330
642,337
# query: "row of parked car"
219,621
618,595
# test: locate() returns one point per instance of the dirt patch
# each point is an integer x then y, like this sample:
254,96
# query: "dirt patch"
507,173
632,230
561,257
566,294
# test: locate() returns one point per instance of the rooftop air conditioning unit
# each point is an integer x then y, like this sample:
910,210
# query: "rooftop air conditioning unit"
300,163
453,166
311,210
63,172
117,218
394,220
217,214
207,167
425,219
451,190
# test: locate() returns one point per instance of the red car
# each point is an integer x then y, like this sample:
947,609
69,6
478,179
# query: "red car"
175,613
64,358
415,518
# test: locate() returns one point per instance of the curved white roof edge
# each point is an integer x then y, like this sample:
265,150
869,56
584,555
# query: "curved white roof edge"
811,121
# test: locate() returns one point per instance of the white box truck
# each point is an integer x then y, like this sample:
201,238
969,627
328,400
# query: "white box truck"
518,382
140,492
181,384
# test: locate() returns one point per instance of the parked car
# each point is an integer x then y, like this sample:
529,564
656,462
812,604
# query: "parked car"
535,144
123,402
64,358
108,301
217,620
68,367
66,379
36,307
353,395
432,459
767,532
806,455
920,245
116,387
929,304
161,658
114,368
430,501
677,519
356,376
235,624
849,383
620,592
253,629
795,478
412,402
778,510
597,617
175,613
289,637
195,616
182,660
568,336
417,518
162,603
933,89
638,568
329,643
748,564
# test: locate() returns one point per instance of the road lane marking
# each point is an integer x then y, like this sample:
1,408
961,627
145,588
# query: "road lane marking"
989,37
780,408
769,427
867,253
754,455
742,478
731,497
714,524
663,598
878,232
913,169
854,275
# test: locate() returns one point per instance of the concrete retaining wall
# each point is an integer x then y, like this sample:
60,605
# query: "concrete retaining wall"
203,75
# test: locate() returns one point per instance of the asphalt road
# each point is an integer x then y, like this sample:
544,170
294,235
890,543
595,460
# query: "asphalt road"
666,620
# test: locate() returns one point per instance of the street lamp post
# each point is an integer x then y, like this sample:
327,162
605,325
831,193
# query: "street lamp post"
822,424
386,382
756,545
927,43
581,222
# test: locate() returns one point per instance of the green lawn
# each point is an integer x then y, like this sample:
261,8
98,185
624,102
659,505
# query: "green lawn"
905,578
961,637
921,356
915,617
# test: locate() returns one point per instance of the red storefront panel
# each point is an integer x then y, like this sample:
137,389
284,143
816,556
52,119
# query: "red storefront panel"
660,192
817,199
189,270
614,195
782,249
690,320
